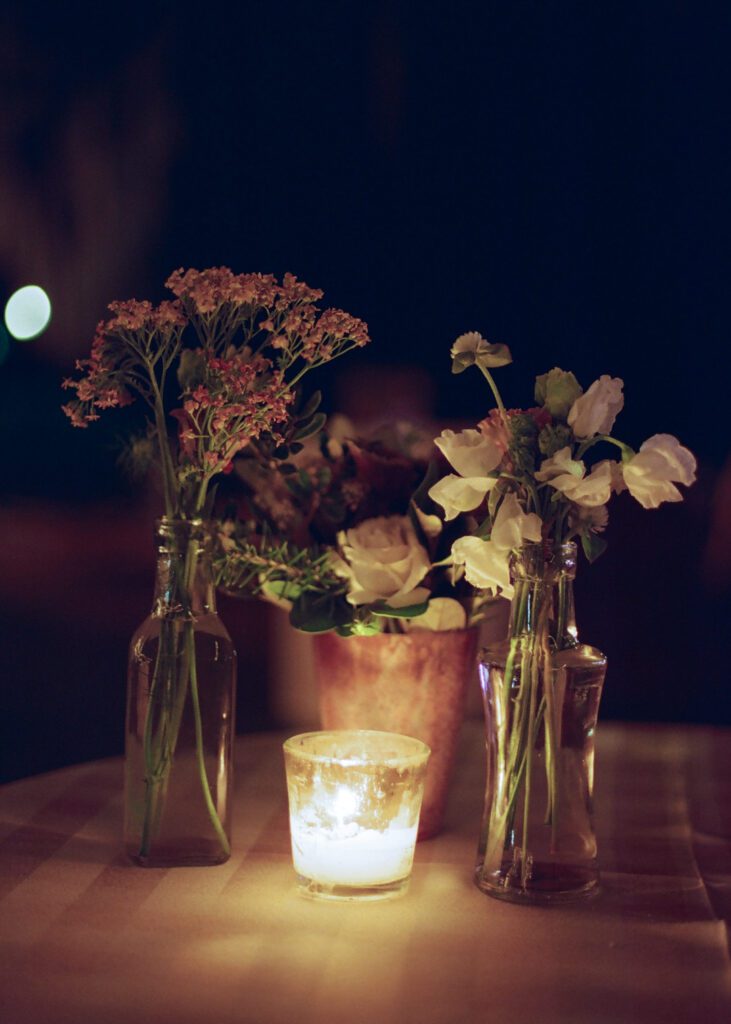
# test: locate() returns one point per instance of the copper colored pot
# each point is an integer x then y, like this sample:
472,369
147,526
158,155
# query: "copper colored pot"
413,683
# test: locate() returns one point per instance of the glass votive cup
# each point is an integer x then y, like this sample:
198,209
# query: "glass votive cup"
354,802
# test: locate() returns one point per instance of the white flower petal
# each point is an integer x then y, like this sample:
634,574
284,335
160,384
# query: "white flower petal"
591,491
681,462
470,452
595,411
486,564
559,463
460,494
472,341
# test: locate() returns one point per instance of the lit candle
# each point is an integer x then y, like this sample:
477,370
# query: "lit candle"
354,802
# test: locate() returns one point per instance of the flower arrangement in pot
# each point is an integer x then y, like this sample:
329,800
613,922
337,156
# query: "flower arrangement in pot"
523,478
218,369
336,533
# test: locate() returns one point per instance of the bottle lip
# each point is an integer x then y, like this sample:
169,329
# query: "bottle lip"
181,521
548,547
179,531
540,560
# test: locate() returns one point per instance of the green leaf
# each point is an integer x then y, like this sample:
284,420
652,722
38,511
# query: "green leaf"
311,406
319,613
310,427
593,546
287,589
384,610
420,496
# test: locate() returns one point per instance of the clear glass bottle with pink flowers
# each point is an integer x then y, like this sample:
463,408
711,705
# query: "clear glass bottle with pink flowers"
230,352
180,712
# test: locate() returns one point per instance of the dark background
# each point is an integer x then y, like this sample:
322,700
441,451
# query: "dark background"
555,176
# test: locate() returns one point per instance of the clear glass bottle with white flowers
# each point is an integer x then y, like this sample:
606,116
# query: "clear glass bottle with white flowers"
522,478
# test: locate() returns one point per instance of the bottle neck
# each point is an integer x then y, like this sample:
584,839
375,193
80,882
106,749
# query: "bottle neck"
184,579
543,601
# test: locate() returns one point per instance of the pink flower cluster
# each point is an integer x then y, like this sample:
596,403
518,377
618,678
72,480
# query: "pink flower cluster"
286,311
238,401
105,372
132,315
205,292
236,382
98,388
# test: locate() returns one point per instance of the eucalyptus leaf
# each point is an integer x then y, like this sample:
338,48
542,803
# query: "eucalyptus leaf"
384,611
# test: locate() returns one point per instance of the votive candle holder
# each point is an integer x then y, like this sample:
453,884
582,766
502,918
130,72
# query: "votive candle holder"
354,803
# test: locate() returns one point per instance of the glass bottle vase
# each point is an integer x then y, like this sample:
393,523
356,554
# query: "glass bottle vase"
180,712
541,690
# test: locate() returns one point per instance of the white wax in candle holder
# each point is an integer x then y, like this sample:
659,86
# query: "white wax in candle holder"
367,857
354,801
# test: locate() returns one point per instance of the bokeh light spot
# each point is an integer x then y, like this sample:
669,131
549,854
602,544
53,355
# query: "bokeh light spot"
27,312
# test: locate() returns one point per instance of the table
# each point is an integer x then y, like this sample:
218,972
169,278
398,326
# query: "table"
86,937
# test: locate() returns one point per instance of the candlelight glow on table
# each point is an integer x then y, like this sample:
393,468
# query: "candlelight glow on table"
354,802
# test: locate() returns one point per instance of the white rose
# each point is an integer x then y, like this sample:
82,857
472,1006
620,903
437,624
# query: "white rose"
486,562
460,494
649,475
383,561
595,411
470,452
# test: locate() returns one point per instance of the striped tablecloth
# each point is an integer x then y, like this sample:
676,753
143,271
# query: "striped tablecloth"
87,937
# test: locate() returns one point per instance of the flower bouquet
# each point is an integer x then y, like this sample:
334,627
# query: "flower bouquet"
335,534
222,362
521,476
333,531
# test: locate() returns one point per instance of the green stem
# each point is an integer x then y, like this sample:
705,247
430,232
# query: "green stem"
213,814
533,673
166,459
495,393
591,441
